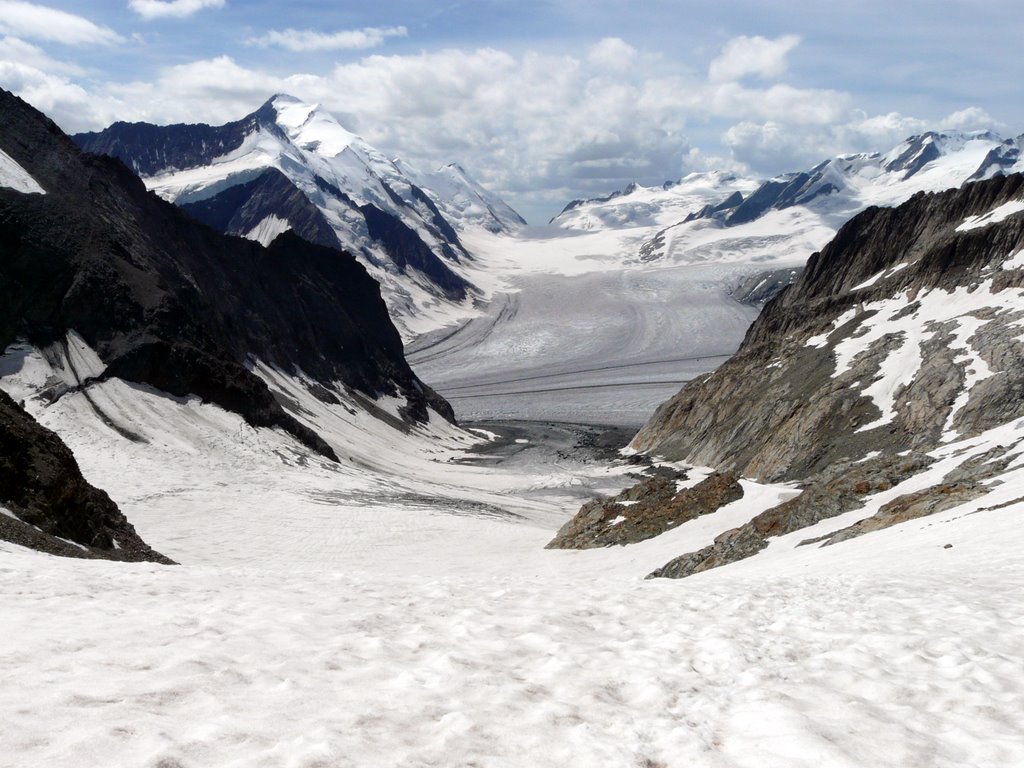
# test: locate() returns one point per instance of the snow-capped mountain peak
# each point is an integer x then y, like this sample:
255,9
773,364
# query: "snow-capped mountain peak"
292,165
311,127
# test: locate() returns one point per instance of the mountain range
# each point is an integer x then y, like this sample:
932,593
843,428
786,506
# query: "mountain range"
723,215
292,166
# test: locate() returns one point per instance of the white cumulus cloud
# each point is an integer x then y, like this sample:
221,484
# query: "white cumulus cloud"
538,127
156,9
612,53
40,22
757,56
346,39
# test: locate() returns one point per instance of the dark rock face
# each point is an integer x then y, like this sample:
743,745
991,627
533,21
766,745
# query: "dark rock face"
148,149
240,209
408,251
645,511
757,290
708,211
41,484
170,302
1000,159
776,412
919,152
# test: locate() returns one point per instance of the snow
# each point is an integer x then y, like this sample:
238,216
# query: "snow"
632,339
996,215
265,232
1015,260
399,609
884,274
13,176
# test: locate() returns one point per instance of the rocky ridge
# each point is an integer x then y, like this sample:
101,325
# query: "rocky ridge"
784,407
644,511
900,338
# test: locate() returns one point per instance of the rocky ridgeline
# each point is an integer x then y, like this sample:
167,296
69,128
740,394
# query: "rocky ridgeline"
776,411
851,376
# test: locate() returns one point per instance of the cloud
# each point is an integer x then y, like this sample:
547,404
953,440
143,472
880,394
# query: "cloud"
40,22
612,53
774,146
310,40
53,94
752,57
12,49
157,9
970,119
538,127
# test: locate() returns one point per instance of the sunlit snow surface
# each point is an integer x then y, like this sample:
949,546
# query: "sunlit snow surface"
13,176
399,610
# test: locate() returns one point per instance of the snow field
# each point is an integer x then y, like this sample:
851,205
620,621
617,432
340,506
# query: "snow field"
899,661
400,610
13,176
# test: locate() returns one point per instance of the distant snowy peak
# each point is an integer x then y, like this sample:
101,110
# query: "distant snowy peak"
463,200
928,162
292,164
638,206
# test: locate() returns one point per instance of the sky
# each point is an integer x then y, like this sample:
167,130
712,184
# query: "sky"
543,101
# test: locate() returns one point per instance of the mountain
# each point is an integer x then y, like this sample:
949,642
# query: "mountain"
292,166
725,216
638,206
888,381
107,281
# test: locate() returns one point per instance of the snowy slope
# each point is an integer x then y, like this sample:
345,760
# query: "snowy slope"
398,609
13,176
462,200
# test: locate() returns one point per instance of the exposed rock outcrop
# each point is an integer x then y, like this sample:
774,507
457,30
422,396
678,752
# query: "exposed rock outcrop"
837,490
54,509
644,511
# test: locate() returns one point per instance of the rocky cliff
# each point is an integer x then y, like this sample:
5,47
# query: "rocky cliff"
901,332
95,265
